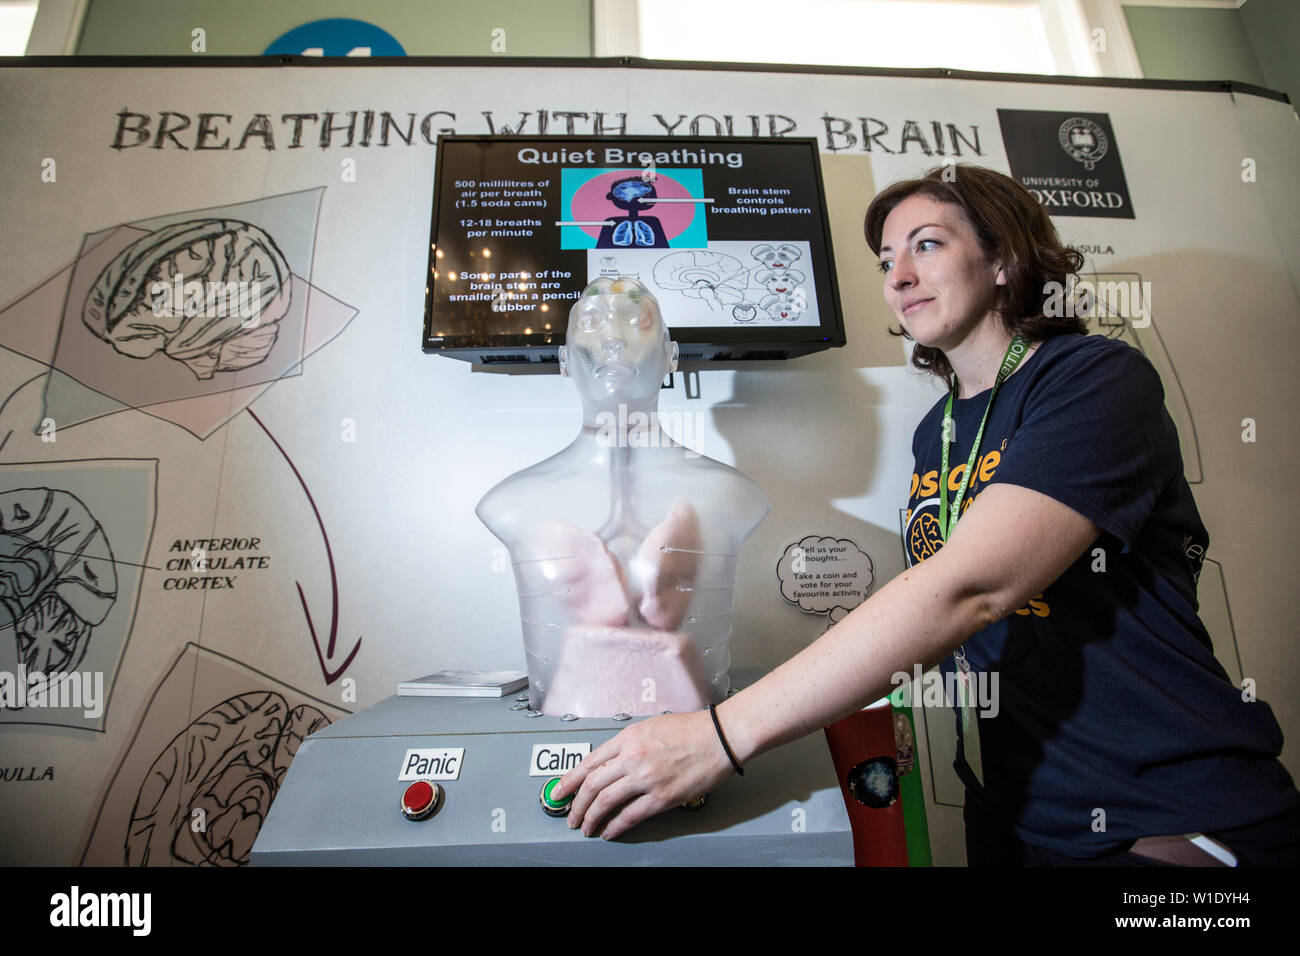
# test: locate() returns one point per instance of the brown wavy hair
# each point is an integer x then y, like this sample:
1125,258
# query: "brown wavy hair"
1013,227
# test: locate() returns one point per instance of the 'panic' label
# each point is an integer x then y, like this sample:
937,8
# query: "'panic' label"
441,763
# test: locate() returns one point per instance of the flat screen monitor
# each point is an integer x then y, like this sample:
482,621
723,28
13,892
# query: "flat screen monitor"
729,233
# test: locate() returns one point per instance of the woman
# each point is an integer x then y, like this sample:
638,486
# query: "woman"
1073,580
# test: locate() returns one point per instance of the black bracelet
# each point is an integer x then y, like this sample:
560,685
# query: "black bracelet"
713,711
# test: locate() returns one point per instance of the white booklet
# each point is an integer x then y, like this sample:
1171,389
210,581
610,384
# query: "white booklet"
463,683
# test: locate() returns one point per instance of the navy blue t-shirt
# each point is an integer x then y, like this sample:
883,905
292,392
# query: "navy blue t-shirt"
1109,694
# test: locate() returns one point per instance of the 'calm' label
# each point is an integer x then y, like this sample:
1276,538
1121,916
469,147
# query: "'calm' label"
551,759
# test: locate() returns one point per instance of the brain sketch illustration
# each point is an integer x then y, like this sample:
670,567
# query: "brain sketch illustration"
228,764
57,577
235,285
717,280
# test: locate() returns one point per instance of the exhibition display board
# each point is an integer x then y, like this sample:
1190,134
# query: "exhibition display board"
237,498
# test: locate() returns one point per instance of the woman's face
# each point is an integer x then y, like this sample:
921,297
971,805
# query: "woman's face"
939,281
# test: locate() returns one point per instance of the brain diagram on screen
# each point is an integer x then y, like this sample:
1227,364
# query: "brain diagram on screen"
656,230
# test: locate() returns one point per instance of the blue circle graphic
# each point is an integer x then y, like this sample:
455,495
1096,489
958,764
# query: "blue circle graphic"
336,37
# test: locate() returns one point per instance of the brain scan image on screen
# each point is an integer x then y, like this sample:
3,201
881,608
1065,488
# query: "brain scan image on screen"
715,280
731,282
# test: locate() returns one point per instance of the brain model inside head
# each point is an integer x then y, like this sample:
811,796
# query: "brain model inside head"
206,292
617,343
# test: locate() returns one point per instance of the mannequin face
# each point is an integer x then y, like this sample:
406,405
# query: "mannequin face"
616,348
939,281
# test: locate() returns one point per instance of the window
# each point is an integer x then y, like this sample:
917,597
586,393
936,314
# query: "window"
16,19
994,36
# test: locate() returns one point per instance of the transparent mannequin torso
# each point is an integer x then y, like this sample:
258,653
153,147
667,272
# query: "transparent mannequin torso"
625,543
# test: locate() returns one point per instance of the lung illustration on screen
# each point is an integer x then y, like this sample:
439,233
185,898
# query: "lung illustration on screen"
632,229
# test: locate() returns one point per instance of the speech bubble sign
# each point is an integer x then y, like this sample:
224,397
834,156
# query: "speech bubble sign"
819,574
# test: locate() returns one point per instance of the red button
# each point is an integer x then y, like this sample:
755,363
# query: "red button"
418,796
419,800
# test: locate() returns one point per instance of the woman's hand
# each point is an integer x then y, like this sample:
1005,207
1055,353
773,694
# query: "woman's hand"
648,768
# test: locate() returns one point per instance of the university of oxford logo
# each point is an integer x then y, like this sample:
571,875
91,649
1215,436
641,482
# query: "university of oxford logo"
1083,141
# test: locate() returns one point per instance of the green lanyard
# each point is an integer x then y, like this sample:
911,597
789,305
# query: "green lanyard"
1015,352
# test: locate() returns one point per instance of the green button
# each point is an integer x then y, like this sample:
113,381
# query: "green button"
552,803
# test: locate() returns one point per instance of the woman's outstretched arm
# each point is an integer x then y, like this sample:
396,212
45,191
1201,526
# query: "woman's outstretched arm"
1010,545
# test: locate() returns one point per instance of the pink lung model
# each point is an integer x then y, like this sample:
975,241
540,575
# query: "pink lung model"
618,670
667,562
607,666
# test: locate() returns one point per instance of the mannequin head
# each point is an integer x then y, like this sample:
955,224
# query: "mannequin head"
617,349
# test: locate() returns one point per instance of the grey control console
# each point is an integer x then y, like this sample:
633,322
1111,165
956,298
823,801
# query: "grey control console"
418,781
